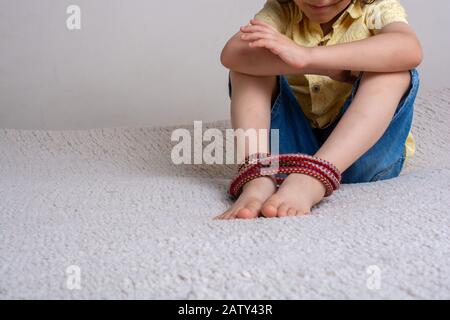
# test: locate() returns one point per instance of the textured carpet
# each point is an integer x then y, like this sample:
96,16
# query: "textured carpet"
103,213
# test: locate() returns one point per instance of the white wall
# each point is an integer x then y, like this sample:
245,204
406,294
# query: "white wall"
142,62
430,20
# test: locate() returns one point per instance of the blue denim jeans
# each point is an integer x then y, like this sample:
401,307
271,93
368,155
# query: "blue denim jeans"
383,161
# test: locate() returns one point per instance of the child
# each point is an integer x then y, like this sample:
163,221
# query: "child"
337,78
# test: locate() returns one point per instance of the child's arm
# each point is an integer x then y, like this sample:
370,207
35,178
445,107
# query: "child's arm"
395,48
238,56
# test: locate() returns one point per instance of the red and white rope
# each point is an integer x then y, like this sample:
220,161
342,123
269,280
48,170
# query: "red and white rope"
259,165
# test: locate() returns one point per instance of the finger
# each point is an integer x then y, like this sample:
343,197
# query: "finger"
265,43
263,23
249,29
257,35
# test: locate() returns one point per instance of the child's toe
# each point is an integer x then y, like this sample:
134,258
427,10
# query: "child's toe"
250,211
283,210
302,212
269,210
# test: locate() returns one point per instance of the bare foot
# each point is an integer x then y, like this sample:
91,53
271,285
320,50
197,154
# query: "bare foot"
296,196
249,204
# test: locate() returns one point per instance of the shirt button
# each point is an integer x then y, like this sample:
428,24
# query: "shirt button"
316,88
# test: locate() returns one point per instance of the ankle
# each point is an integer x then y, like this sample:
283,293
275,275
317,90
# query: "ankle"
260,182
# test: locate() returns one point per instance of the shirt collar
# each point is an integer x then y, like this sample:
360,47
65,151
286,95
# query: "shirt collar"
354,9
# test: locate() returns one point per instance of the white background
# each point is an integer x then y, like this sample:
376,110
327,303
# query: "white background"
143,62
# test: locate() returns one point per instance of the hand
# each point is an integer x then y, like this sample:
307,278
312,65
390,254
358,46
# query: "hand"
263,35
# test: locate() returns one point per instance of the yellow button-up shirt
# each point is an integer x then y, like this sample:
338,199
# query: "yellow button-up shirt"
321,97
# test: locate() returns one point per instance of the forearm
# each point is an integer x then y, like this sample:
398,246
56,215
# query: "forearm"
257,62
260,61
388,52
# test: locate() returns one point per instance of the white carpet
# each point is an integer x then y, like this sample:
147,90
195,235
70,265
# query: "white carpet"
110,202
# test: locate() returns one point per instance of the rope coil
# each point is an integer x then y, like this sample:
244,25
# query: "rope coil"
263,164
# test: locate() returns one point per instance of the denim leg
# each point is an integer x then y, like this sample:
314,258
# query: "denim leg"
386,158
295,132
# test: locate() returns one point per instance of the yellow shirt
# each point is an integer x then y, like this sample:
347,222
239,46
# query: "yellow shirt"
320,97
